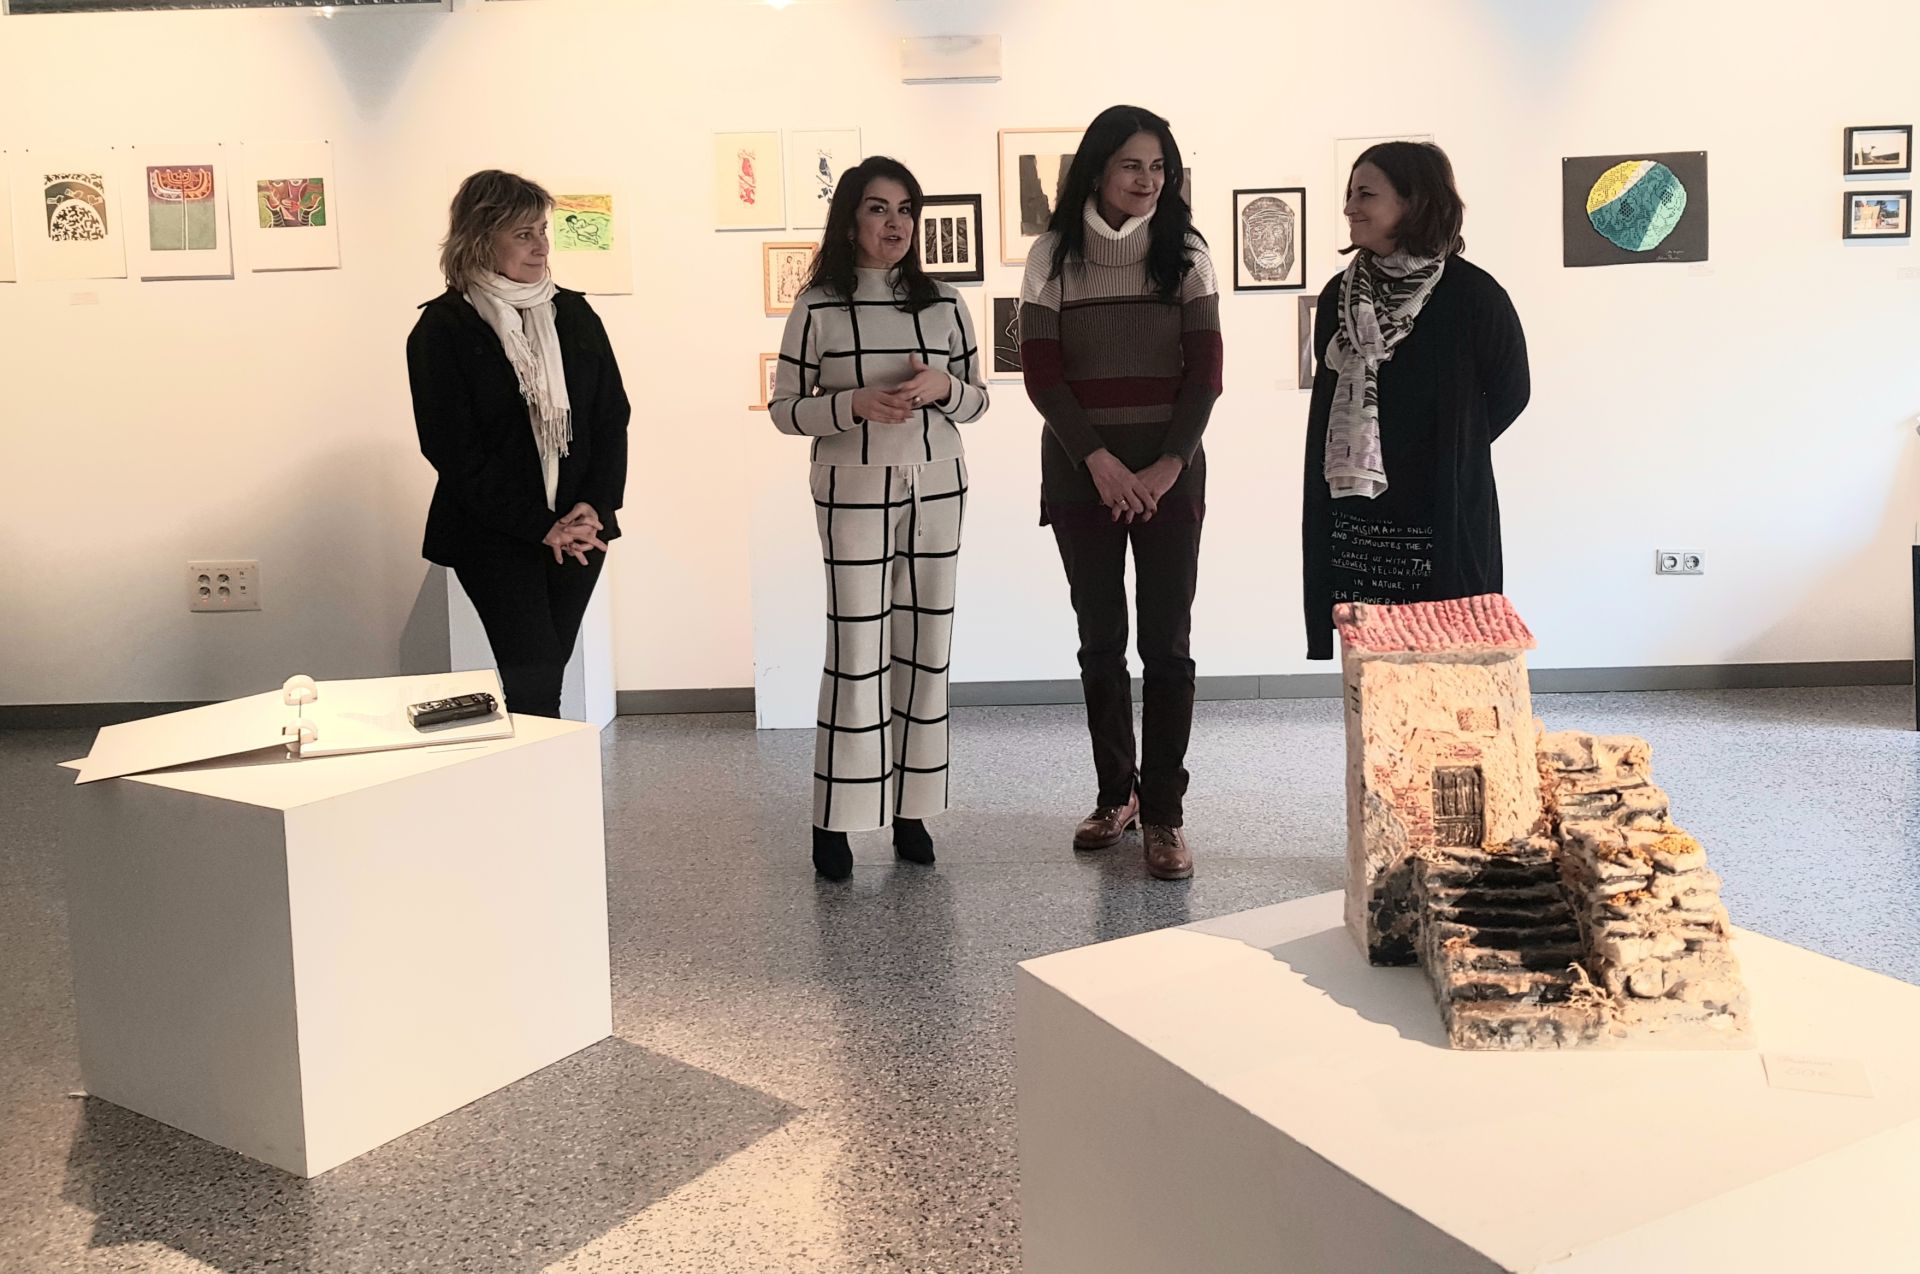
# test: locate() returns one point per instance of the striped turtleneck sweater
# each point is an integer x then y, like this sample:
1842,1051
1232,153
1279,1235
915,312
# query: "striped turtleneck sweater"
834,346
1111,364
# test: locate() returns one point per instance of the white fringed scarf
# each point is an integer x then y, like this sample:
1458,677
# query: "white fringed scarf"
1379,299
521,315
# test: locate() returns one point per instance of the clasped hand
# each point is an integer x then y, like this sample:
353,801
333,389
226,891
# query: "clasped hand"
1129,495
896,406
575,533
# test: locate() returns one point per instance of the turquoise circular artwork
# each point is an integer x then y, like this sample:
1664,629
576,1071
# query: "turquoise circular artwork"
1637,204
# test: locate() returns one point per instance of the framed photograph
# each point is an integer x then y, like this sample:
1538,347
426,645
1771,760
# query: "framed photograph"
748,182
1648,207
815,160
949,244
1033,167
1879,149
1006,339
769,370
1270,239
1878,214
783,274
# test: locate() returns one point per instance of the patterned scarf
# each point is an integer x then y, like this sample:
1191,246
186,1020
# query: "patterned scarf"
522,316
1379,299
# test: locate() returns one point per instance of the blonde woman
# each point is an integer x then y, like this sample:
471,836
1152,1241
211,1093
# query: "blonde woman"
520,410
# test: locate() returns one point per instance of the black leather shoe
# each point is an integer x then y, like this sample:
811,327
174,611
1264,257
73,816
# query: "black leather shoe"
911,841
832,856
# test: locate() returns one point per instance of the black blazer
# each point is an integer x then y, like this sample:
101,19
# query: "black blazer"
1452,387
475,432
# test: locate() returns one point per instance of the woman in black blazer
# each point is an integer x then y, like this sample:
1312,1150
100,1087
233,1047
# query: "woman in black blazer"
520,410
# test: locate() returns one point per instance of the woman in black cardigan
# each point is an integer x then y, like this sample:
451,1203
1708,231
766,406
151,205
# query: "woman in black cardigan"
520,410
1422,365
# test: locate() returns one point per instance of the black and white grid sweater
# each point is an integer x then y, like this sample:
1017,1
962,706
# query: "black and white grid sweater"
833,347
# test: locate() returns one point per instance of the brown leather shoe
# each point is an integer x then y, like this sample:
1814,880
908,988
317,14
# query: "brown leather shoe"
1168,857
1103,828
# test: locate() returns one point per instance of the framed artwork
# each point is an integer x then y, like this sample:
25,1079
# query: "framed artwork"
783,274
590,228
182,229
1878,214
1309,366
1006,339
1270,239
747,182
769,372
1033,168
68,215
286,205
949,243
1879,149
1346,153
1634,209
815,160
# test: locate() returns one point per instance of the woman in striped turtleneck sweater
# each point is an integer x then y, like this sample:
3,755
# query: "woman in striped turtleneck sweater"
1120,345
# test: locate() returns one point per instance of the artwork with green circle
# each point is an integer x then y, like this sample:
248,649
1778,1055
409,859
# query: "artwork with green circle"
1635,205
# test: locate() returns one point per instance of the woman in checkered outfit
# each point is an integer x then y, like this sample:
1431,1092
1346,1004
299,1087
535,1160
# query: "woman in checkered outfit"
878,366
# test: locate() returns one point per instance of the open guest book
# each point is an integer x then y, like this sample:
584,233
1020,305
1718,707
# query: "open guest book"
301,720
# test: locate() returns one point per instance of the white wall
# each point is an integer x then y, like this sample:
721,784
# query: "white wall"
1759,408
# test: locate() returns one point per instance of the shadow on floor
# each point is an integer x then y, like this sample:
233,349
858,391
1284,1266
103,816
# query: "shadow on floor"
513,1182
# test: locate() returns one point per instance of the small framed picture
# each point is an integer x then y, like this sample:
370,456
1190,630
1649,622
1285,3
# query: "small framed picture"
949,245
769,370
1006,339
783,274
1877,149
1878,214
1309,366
1270,239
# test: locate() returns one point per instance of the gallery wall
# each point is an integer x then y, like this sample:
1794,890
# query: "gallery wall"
1759,407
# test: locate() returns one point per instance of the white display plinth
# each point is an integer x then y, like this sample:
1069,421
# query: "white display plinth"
302,959
1248,1095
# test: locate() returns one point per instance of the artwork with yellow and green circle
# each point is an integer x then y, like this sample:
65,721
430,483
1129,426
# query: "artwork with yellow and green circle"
1631,209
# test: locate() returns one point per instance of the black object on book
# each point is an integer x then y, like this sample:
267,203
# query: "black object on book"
441,711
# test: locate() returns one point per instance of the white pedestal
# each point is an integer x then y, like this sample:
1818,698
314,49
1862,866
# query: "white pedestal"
301,960
1248,1095
587,688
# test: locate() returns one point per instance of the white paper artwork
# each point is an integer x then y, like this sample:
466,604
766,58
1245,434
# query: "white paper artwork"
67,215
1346,151
285,204
591,229
747,182
815,161
176,200
7,272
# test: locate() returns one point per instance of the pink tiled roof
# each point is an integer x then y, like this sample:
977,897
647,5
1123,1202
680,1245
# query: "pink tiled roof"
1487,622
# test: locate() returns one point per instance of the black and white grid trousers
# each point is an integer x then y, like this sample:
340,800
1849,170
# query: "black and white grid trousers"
890,535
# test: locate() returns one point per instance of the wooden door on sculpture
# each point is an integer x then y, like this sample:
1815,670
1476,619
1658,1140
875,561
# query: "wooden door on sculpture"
1459,806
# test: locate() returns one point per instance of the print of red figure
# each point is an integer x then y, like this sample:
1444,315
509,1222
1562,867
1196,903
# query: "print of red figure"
749,181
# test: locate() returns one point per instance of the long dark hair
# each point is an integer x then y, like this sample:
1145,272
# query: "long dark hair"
1167,257
1422,175
833,265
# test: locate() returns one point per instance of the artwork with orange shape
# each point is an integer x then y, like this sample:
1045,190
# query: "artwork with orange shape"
180,209
293,203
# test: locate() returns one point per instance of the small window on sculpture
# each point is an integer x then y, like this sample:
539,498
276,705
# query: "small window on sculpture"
1459,807
1478,720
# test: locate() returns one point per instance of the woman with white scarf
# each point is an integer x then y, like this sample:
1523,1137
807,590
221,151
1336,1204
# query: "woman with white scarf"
520,409
1422,364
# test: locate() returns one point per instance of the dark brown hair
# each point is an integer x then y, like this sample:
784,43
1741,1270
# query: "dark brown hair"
833,265
1169,252
487,203
1422,175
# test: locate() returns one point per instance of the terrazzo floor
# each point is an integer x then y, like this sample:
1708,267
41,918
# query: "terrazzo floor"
810,1077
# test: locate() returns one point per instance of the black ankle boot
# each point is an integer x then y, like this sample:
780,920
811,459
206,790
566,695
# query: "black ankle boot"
832,856
910,840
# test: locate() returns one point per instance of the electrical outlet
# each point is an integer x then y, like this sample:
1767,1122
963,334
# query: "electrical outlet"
1679,562
222,586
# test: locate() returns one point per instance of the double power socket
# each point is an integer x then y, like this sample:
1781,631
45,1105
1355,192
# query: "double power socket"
1679,562
223,586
